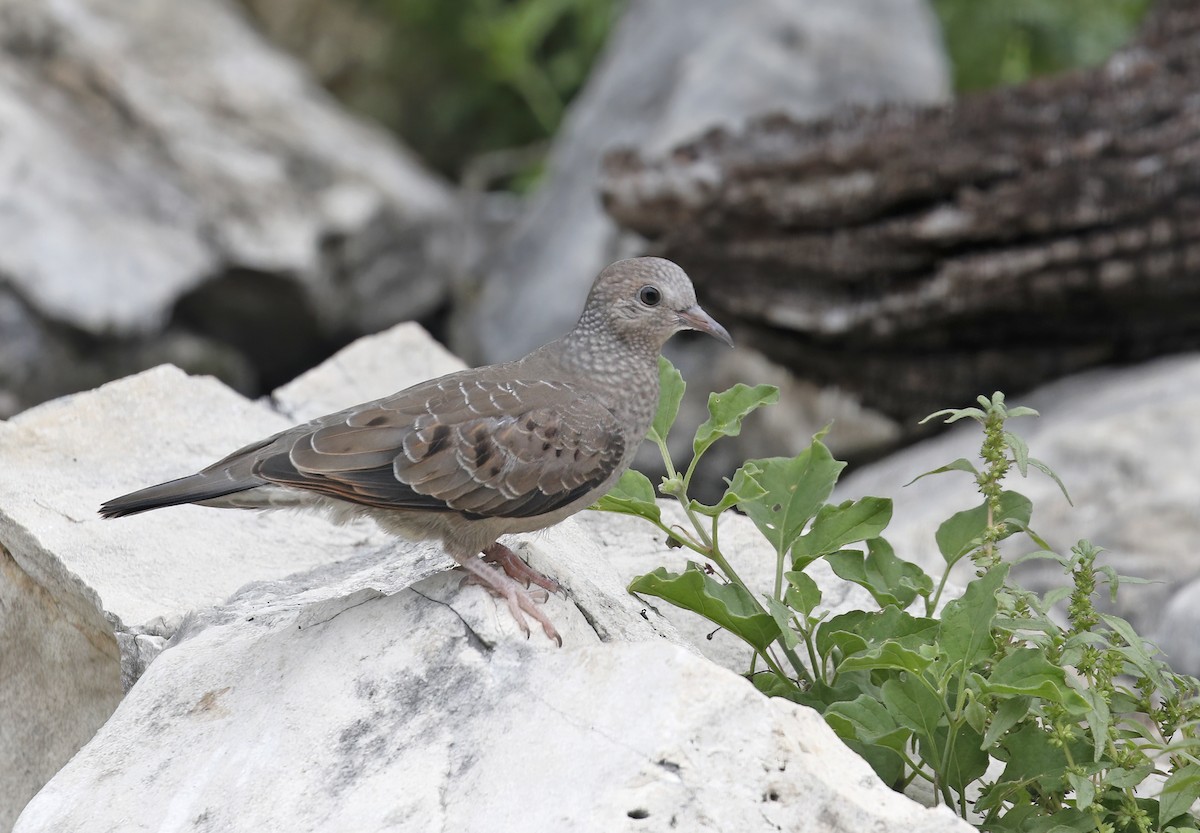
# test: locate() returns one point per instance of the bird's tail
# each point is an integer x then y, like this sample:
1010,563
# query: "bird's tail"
191,489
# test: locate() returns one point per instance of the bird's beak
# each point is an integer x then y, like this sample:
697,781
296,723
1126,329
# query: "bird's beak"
694,318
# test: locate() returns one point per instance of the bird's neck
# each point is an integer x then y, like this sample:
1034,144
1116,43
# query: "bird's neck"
624,374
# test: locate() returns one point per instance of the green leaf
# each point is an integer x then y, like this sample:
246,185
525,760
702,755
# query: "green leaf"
1098,717
889,654
1049,472
1026,671
1178,793
890,580
1032,755
836,526
1009,713
960,534
772,685
743,488
794,489
728,605
867,720
726,411
961,464
965,632
1020,452
913,705
633,495
782,615
670,394
802,594
966,760
1085,790
850,622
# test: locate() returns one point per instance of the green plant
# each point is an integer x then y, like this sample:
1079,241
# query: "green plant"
993,42
1018,721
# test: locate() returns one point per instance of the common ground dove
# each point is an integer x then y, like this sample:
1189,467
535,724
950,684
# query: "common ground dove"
480,453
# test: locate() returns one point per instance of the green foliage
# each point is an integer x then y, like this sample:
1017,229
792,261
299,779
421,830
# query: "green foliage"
995,42
468,76
1075,710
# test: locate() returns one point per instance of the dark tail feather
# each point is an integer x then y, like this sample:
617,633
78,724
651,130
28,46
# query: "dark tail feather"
191,489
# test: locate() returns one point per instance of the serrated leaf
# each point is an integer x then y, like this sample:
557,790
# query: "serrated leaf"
633,495
965,632
961,464
889,580
836,526
1027,672
1179,793
727,409
670,394
802,594
794,489
727,605
960,534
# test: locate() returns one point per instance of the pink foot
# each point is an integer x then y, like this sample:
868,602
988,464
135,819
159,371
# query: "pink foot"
516,567
520,601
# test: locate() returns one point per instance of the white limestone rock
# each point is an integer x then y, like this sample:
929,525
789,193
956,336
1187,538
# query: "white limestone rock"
160,158
409,713
372,367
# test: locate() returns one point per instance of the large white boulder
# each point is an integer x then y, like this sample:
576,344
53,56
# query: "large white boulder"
413,712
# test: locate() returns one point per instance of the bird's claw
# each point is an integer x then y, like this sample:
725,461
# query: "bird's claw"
521,601
515,567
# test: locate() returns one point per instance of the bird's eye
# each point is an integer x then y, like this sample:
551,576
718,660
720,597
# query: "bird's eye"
649,295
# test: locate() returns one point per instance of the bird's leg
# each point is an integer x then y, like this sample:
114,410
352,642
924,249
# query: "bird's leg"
520,602
516,567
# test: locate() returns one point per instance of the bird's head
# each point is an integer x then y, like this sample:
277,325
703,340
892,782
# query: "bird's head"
646,300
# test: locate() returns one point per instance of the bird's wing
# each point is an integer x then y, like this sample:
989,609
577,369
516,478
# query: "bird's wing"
481,448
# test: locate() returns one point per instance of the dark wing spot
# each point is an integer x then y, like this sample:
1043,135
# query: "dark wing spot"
530,424
378,420
495,470
545,446
558,452
441,438
483,451
551,432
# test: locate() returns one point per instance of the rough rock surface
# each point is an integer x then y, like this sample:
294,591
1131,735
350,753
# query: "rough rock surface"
671,69
165,170
1125,442
406,713
90,602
